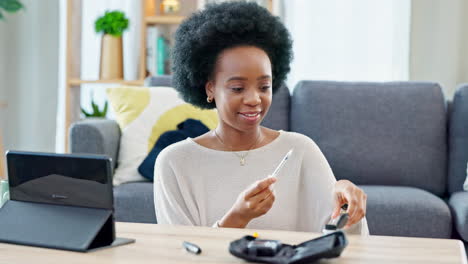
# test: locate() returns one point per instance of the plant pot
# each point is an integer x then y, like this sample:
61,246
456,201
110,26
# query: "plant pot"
111,58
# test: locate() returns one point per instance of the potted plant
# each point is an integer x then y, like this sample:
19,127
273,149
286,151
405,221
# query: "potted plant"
112,25
96,112
10,6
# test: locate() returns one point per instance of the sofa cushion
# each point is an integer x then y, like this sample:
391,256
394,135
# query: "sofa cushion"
396,211
377,133
134,202
278,115
459,205
406,211
143,114
189,128
458,140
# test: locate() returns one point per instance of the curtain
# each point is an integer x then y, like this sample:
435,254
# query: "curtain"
343,40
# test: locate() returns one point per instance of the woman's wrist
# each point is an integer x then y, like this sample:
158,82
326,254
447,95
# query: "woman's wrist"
342,184
234,220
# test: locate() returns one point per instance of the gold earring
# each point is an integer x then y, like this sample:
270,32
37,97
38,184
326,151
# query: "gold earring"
209,99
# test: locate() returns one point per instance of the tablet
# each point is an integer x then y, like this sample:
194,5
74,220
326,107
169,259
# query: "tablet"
62,179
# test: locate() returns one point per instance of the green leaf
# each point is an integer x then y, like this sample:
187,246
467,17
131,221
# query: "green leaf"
95,107
85,113
96,112
11,6
104,112
113,23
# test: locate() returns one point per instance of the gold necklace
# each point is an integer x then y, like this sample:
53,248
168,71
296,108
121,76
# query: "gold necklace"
240,156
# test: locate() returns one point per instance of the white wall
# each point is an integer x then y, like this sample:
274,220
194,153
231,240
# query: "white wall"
3,88
439,42
29,74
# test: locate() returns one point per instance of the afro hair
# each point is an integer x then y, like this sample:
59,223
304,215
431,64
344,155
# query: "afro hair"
204,35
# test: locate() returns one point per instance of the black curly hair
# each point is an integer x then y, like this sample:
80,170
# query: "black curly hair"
204,35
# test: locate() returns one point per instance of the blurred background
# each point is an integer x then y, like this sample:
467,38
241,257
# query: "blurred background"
50,52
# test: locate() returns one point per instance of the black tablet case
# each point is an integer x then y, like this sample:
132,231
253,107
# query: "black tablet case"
66,227
56,226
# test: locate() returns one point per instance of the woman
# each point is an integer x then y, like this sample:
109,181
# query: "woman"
233,57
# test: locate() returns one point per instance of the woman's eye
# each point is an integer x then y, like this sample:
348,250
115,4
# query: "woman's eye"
237,89
265,87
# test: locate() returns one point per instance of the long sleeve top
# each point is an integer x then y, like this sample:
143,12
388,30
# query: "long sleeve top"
196,185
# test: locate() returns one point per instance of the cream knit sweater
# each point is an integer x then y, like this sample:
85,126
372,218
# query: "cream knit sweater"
195,185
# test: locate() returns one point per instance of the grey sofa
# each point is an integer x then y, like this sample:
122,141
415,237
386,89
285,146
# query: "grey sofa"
402,142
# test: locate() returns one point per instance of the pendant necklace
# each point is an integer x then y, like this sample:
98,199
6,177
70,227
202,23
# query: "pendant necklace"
240,156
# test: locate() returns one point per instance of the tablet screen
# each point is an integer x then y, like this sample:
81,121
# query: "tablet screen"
63,179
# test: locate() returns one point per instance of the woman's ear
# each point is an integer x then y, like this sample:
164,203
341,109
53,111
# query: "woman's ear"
209,89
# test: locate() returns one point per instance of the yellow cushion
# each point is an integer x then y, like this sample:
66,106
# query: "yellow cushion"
144,114
128,103
172,117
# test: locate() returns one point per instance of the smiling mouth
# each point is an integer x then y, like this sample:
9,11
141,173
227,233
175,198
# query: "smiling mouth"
251,116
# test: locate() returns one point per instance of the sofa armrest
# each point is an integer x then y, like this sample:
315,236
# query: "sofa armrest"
97,136
459,206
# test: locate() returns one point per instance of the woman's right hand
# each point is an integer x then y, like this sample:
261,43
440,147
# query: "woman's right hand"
255,201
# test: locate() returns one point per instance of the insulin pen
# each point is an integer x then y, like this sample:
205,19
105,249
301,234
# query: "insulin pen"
192,248
282,163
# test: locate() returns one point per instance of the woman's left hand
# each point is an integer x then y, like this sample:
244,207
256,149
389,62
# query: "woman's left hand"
348,193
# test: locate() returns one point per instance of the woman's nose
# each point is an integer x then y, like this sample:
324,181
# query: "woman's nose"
252,98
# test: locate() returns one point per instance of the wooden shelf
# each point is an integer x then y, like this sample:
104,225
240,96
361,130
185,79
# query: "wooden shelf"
77,82
170,20
73,52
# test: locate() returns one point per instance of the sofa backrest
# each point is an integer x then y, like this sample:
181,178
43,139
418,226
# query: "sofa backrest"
277,117
160,80
458,140
377,133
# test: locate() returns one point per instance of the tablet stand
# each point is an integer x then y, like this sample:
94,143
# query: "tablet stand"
58,226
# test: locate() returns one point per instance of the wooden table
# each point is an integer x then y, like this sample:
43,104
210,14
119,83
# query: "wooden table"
163,244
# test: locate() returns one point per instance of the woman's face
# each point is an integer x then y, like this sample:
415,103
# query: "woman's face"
241,87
